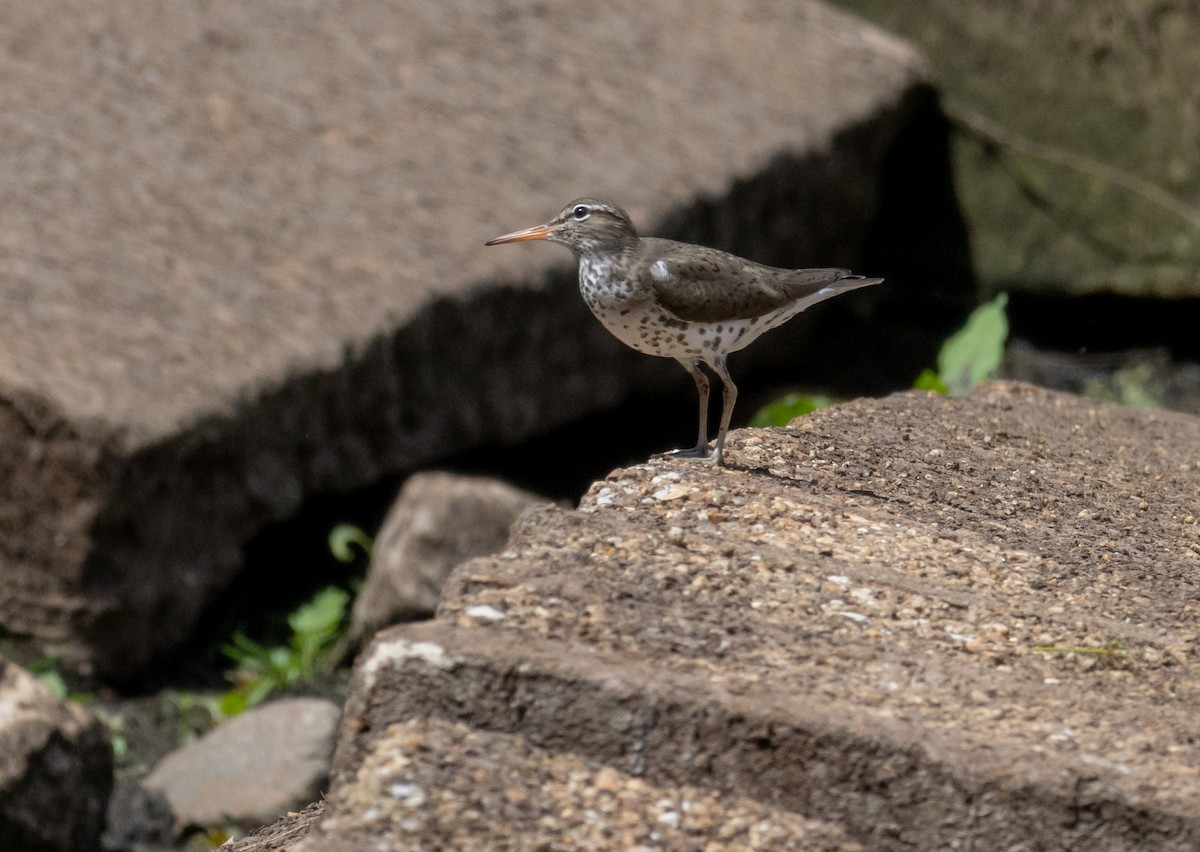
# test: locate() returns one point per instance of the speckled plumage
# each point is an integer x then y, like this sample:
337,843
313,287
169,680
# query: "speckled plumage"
681,301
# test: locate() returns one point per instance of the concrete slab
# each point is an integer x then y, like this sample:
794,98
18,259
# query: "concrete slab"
933,622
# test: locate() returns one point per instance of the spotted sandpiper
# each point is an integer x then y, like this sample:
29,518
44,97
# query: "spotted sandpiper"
681,301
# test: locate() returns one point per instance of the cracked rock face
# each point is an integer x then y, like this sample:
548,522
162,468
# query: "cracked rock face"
923,620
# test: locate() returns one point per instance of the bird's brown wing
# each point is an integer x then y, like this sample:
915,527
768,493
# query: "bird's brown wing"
699,284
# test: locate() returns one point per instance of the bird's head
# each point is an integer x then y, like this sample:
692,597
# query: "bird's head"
586,226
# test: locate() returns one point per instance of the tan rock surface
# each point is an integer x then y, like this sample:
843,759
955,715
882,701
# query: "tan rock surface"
241,256
930,621
436,784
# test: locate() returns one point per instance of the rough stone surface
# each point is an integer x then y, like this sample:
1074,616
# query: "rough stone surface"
252,769
242,260
440,785
932,621
55,768
279,836
437,521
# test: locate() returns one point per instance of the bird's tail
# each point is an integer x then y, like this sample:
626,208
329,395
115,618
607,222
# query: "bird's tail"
842,282
852,282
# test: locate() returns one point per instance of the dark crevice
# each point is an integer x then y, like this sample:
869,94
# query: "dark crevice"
1106,323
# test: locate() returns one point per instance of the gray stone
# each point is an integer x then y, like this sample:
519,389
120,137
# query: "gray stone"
242,263
56,766
438,521
931,621
252,769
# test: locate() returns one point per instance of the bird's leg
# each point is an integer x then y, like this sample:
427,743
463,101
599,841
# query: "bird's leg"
692,365
729,398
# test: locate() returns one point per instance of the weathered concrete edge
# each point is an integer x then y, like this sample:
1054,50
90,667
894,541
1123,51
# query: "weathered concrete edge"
886,782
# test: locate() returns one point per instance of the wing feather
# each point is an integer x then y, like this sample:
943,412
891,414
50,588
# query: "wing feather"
699,284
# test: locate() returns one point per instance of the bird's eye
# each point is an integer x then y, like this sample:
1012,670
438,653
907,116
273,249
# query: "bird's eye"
581,212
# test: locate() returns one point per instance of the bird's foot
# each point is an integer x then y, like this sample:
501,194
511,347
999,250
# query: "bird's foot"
701,453
697,452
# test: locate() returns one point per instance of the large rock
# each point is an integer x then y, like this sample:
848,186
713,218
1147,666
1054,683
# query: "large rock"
437,521
1077,166
56,765
934,622
242,252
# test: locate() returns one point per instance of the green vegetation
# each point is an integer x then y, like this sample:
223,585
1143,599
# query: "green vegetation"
316,628
46,670
783,411
342,540
261,670
972,354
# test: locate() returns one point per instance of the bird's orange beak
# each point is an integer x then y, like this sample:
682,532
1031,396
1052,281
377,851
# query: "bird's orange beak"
538,232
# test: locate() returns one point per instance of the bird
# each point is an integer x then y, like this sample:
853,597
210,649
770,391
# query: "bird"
678,300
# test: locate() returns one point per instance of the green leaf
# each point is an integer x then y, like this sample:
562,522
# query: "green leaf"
931,381
246,652
323,614
783,411
232,703
259,692
975,351
55,681
120,747
342,540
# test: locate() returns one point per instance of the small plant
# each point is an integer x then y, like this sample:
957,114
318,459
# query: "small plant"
972,354
783,411
316,627
342,540
262,670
